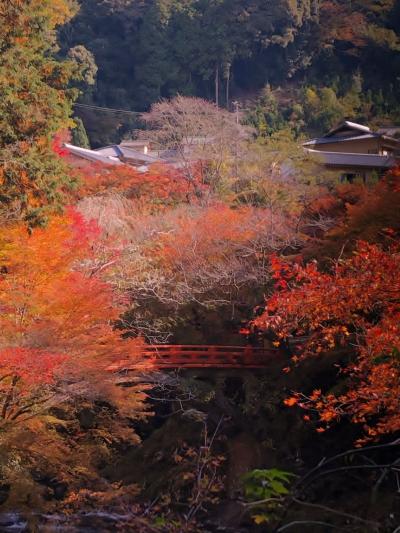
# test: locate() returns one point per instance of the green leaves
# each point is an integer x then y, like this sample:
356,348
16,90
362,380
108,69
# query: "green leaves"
266,484
265,490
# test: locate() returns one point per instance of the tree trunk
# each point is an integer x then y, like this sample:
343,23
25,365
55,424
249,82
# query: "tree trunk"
217,85
228,81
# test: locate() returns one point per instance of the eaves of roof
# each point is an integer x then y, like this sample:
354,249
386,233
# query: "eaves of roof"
341,159
333,140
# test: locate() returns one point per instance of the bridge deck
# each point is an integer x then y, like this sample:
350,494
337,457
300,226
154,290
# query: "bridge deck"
167,356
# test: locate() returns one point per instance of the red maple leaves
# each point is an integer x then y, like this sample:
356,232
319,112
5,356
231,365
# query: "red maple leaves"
356,306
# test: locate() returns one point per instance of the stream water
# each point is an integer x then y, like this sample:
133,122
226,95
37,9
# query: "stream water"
85,522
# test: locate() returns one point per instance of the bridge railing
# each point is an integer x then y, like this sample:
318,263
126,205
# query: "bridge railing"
202,356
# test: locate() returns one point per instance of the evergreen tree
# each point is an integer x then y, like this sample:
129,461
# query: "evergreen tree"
35,105
266,116
79,135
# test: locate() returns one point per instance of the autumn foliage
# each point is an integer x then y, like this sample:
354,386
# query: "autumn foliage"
35,104
354,307
57,315
355,212
159,186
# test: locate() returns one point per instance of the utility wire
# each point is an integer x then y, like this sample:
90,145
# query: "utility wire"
138,113
107,109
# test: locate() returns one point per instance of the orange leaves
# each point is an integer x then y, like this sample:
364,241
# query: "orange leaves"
16,16
35,105
160,184
290,402
208,235
328,415
55,315
46,255
316,394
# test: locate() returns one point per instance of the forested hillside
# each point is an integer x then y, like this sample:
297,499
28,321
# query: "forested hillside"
323,54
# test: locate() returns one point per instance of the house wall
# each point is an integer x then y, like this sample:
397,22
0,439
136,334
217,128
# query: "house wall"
367,175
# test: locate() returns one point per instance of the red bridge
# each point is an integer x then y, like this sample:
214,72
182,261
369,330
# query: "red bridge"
166,356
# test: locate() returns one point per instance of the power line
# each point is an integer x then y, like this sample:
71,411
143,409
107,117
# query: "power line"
107,109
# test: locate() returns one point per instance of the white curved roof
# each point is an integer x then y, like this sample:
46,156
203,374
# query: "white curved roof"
92,155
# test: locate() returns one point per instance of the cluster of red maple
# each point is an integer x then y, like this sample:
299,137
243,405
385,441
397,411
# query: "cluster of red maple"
351,307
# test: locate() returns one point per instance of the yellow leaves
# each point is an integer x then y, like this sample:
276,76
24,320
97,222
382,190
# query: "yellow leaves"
260,519
345,331
57,11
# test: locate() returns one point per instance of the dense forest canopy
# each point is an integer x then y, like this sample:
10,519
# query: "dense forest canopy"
230,49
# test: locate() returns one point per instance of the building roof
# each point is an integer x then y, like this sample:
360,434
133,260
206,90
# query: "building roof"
95,156
114,155
391,131
350,131
330,140
113,150
348,126
126,152
129,153
367,161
